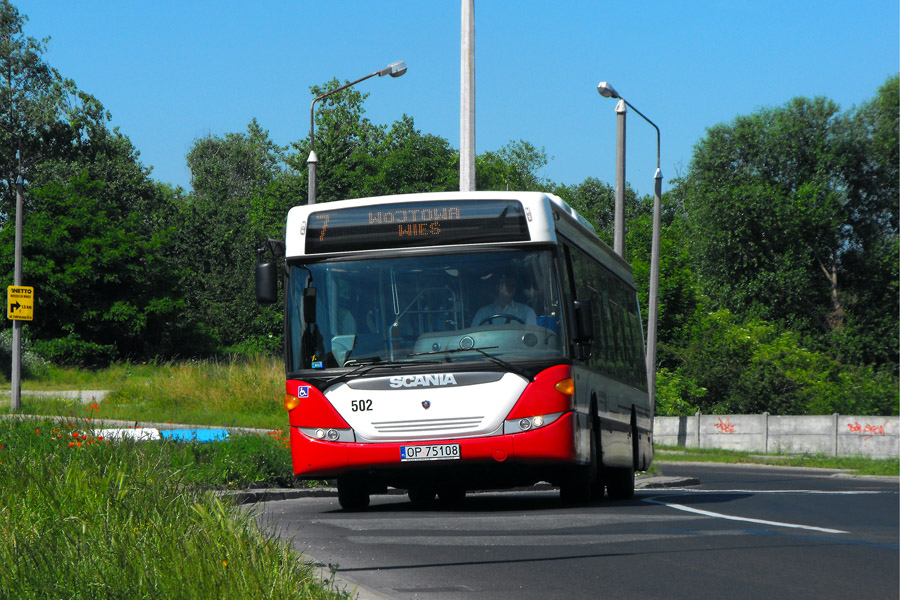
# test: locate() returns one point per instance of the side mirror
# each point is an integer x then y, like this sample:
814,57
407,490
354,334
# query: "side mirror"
309,305
584,321
266,282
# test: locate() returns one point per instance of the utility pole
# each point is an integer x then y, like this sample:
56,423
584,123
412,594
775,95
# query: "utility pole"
467,99
15,402
619,224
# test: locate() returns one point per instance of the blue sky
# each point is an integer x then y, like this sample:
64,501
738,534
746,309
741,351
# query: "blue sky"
170,72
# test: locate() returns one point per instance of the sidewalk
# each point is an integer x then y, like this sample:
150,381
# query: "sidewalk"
85,396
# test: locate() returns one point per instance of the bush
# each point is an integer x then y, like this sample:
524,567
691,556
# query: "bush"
32,364
749,368
73,351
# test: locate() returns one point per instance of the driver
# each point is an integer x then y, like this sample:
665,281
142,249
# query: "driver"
504,309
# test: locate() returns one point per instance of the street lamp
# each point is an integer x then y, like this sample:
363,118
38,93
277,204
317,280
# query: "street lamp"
396,69
607,91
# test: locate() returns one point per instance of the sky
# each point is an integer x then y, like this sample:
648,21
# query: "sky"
173,71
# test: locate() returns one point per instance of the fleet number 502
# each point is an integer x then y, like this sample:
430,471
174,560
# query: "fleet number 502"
360,405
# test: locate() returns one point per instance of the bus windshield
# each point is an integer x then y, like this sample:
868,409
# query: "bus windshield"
447,307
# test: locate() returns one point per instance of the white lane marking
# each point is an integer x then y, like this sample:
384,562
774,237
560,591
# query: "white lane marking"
716,515
756,492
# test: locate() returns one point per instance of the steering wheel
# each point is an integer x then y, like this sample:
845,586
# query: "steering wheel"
506,316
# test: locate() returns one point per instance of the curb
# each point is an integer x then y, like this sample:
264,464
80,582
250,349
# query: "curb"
274,494
116,423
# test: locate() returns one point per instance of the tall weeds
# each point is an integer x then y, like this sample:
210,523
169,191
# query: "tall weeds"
83,518
242,392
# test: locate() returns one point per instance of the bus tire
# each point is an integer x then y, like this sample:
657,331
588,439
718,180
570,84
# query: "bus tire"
353,493
576,488
598,485
620,483
452,496
421,495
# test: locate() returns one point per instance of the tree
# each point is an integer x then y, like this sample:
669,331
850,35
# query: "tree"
234,166
409,162
344,143
776,217
871,169
218,231
104,290
515,166
93,230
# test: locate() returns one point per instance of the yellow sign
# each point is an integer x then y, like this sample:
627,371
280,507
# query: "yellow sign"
20,303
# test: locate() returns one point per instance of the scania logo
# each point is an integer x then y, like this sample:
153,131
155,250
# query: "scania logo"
411,381
426,404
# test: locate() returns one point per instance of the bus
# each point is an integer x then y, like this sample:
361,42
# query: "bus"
445,342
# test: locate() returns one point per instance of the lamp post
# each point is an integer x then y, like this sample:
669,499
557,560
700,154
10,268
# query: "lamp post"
607,91
396,69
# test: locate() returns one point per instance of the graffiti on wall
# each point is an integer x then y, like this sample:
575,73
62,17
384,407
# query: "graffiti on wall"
867,430
725,426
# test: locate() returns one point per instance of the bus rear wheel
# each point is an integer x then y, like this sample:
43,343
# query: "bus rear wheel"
620,483
353,493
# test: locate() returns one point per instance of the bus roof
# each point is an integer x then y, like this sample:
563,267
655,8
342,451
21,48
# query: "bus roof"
539,208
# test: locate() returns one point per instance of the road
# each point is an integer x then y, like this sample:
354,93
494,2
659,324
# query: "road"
744,532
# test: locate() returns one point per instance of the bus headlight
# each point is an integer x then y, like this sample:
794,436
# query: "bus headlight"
328,434
528,423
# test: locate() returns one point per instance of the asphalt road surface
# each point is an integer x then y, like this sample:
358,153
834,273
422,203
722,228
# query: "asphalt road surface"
744,532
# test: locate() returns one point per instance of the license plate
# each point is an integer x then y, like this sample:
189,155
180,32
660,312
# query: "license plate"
431,452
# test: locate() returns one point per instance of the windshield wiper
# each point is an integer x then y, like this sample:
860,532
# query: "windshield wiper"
491,357
454,351
365,365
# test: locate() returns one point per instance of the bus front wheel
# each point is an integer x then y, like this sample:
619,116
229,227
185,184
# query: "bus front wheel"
576,487
353,493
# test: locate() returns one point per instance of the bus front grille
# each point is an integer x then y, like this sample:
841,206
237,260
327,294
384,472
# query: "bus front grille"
455,425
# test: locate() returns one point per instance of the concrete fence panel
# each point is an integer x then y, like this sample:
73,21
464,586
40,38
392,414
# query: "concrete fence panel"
677,431
802,435
733,432
868,436
834,435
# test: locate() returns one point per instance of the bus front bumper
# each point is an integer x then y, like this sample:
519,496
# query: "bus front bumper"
548,445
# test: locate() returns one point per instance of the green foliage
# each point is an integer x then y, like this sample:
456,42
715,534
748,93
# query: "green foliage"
218,228
33,364
793,219
677,396
729,367
232,392
515,166
779,247
408,162
84,518
103,290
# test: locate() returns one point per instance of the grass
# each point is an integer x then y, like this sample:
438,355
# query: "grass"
857,465
83,518
234,393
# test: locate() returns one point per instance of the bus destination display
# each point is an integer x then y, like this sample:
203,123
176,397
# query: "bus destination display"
411,224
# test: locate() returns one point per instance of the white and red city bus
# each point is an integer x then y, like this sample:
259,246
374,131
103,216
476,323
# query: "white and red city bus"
446,342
